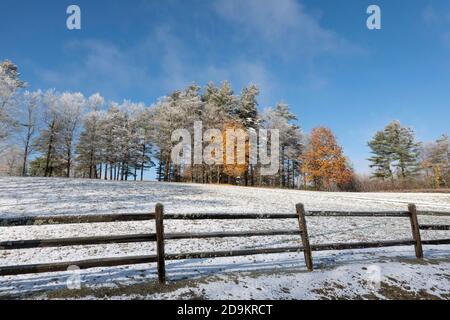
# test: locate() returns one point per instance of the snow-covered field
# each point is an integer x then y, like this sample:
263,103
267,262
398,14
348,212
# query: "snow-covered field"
342,274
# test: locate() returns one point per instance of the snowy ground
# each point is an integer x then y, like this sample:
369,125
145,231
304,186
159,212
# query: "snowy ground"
338,274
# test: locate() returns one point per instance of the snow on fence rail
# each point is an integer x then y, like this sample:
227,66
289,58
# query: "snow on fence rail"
126,217
160,237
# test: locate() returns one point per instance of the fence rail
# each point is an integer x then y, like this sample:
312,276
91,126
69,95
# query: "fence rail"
160,237
129,217
435,227
73,219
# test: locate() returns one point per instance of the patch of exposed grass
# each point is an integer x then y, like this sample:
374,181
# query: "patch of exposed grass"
393,292
138,291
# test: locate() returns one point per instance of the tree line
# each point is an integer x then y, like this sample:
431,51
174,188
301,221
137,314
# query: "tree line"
53,134
399,161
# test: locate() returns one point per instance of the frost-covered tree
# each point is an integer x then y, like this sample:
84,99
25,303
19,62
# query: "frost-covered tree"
89,148
177,111
80,137
124,142
10,83
130,141
113,133
435,161
30,103
218,108
291,141
247,108
219,104
145,143
57,139
71,106
10,161
50,140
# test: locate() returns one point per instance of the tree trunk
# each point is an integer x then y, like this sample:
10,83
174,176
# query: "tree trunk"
47,162
25,154
293,174
167,170
143,161
69,162
91,164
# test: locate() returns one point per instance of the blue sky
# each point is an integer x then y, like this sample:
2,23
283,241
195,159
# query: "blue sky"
317,56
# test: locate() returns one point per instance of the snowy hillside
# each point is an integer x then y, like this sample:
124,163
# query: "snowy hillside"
20,197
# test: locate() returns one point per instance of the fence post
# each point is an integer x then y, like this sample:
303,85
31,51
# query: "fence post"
415,230
160,254
304,234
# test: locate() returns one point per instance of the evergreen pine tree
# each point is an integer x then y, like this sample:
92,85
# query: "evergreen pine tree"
247,108
395,151
382,156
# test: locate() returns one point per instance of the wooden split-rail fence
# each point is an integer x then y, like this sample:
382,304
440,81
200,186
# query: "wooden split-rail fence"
160,237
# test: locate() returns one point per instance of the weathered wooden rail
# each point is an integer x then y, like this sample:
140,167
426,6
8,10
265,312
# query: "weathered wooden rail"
160,237
435,227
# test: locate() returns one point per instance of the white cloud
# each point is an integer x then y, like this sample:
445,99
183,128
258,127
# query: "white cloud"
177,71
173,60
164,61
284,26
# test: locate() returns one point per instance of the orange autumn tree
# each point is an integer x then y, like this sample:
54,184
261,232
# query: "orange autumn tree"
235,169
324,163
